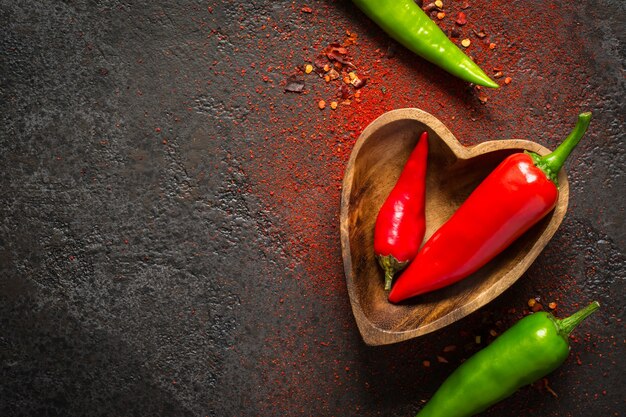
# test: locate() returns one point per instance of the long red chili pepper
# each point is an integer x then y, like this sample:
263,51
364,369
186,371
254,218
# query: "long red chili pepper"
515,196
400,223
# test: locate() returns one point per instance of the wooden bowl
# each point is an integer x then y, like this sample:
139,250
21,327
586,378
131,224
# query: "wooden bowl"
453,172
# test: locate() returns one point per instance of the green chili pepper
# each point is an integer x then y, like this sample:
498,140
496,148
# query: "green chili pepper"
532,348
407,23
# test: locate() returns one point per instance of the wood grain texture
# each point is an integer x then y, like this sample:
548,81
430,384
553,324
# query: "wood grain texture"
453,172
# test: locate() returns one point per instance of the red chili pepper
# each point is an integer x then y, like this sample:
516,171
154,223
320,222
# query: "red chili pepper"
515,196
400,224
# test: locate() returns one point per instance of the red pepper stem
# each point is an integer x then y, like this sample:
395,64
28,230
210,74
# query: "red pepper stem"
568,324
553,162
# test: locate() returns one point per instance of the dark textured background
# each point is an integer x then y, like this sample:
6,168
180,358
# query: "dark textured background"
169,216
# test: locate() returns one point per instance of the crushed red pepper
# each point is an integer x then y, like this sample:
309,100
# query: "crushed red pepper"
298,167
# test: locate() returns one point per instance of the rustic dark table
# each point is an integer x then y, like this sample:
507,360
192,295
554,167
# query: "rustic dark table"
169,240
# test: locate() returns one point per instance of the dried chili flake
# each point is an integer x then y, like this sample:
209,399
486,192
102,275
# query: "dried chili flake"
426,364
344,91
465,5
295,84
336,56
429,7
359,83
332,74
441,359
340,50
492,45
481,34
449,348
498,74
306,9
351,39
461,19
320,61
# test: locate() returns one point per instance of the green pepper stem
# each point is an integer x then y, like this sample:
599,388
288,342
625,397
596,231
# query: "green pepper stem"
388,278
553,162
390,265
568,324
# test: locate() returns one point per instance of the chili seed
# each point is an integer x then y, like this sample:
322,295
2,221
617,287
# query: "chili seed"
507,80
492,45
552,305
466,42
441,15
308,69
321,104
439,4
333,105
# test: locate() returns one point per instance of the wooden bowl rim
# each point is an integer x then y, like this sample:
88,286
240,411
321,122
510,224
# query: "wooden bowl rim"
373,335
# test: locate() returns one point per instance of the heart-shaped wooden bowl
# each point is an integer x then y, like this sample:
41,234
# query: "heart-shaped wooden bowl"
453,172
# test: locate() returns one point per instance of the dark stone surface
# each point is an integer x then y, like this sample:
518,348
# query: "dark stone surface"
145,269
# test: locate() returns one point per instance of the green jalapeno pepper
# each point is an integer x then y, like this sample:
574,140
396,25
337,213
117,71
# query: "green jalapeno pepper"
407,23
532,348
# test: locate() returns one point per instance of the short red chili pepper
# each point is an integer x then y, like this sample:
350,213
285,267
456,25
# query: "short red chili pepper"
400,224
515,196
